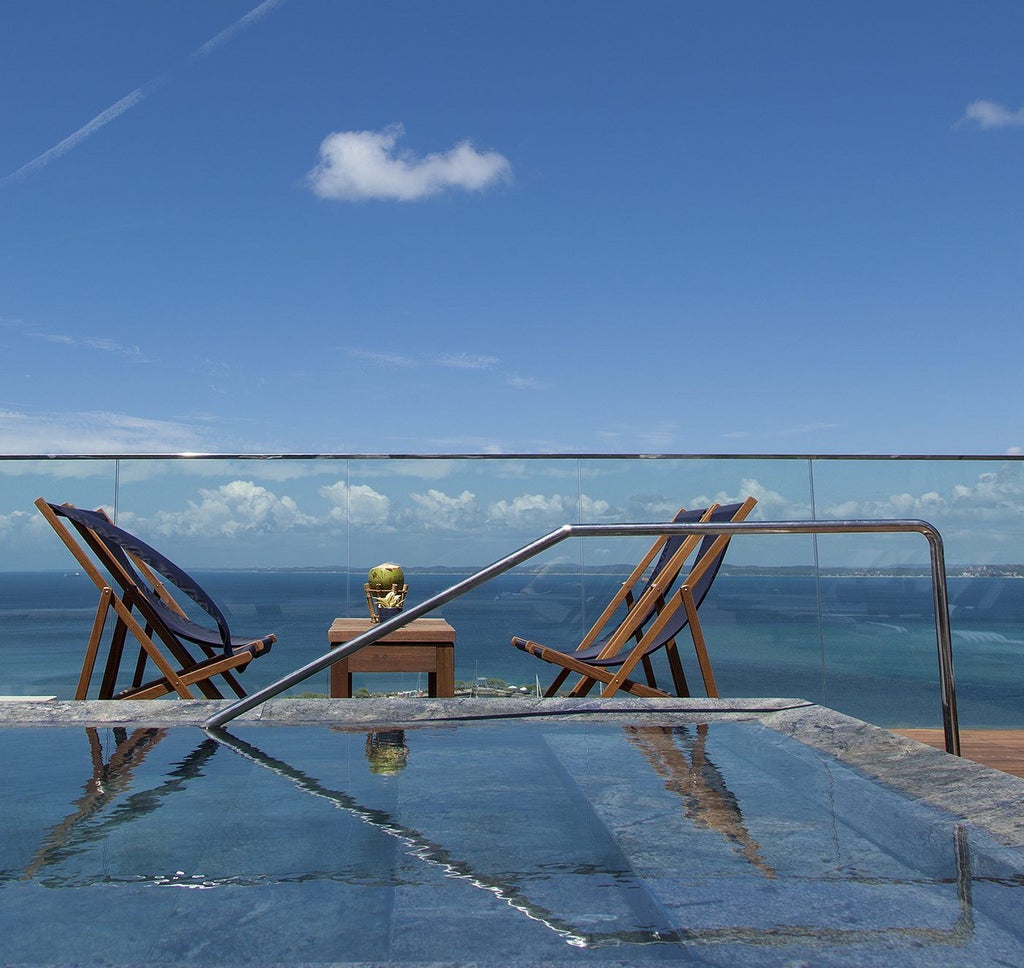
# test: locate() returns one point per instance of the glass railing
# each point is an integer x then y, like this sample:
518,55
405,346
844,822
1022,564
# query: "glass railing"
284,543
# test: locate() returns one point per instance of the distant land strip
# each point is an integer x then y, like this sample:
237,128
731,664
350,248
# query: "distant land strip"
736,571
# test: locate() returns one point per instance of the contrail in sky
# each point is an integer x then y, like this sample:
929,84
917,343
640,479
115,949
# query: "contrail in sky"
91,127
228,32
135,97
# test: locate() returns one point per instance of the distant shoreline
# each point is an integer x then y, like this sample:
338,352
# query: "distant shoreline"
735,571
567,571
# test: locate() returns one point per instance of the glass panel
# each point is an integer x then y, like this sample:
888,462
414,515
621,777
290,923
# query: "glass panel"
448,518
263,537
882,664
42,595
285,544
760,629
28,542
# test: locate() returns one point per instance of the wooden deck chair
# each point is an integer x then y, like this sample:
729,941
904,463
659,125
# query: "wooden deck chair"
655,615
185,653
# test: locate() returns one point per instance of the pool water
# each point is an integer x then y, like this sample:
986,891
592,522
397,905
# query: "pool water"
510,842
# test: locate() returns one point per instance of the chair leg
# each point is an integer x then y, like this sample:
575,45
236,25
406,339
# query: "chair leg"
205,685
92,649
710,686
649,671
236,686
174,680
583,687
110,671
676,667
140,666
625,670
552,690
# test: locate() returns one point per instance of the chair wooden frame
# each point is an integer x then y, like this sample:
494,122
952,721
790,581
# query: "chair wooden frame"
652,619
167,648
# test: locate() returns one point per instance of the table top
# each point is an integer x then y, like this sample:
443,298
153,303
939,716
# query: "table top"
418,630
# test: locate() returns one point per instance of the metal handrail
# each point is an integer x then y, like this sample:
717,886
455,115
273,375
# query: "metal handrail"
940,599
504,456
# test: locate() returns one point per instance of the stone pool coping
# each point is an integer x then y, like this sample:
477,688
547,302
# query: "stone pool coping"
977,795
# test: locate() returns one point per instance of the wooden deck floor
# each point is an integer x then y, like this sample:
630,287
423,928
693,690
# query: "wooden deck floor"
1002,749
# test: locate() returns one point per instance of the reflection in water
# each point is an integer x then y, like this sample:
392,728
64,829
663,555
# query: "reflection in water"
426,850
386,751
709,804
111,779
708,801
677,755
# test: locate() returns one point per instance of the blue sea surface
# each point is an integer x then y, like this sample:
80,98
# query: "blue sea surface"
863,646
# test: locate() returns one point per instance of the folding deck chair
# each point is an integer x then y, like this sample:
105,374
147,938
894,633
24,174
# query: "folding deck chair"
184,652
655,615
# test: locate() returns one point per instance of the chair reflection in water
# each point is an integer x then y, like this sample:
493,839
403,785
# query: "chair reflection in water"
101,809
185,653
654,615
681,760
122,790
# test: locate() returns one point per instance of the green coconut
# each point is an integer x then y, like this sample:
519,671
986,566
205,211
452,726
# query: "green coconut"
386,576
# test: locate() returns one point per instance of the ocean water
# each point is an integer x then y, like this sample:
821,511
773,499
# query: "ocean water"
863,646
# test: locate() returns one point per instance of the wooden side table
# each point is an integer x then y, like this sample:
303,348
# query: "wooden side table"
424,645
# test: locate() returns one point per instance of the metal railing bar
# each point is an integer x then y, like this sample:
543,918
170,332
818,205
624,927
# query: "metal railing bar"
383,628
940,598
568,455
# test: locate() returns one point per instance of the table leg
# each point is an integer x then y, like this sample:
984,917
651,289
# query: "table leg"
443,684
341,680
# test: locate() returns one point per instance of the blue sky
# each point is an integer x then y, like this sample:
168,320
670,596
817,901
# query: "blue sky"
408,227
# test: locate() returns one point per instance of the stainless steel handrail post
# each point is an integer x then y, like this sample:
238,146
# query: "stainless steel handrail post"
944,646
944,642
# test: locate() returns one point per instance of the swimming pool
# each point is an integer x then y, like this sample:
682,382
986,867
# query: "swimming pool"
635,839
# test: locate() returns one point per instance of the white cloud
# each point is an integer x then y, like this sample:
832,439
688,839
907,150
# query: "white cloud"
436,510
895,506
358,165
651,507
382,359
102,343
771,504
988,114
654,437
994,498
93,433
110,346
541,512
799,430
450,361
1000,492
522,382
535,510
593,509
232,509
467,361
18,522
359,504
431,468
